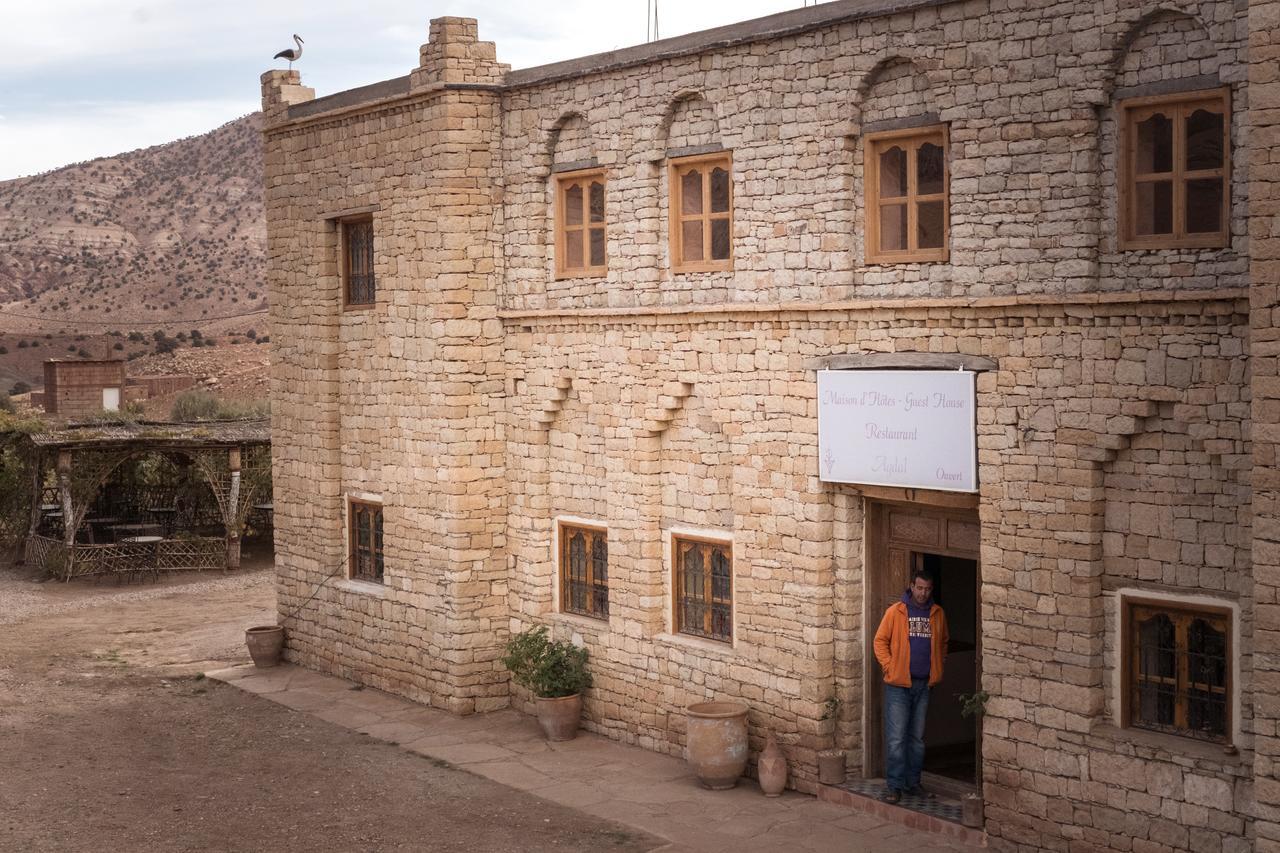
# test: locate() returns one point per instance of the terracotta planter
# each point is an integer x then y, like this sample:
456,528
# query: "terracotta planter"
971,813
831,769
772,769
717,743
559,717
265,643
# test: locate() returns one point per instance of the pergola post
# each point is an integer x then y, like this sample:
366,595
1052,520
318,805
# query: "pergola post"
68,517
232,513
37,495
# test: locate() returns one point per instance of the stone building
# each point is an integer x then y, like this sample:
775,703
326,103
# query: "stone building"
81,387
548,346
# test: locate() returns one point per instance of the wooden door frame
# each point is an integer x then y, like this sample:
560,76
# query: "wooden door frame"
878,543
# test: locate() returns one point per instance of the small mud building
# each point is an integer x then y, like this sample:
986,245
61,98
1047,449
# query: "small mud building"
549,346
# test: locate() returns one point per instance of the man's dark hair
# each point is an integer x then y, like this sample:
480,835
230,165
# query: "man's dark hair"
923,574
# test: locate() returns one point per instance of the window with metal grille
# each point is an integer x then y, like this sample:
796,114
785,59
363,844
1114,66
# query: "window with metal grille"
1178,669
1175,169
584,571
357,262
906,188
366,541
703,588
580,224
702,213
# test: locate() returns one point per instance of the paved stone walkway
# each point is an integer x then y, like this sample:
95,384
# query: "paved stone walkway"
653,792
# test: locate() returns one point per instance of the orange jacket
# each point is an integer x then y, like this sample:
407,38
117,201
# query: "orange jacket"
893,649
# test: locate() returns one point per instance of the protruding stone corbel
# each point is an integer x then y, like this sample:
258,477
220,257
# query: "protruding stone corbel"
670,402
550,410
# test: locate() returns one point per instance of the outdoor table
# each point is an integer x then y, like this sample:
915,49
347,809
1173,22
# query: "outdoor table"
48,508
152,563
125,530
164,516
97,522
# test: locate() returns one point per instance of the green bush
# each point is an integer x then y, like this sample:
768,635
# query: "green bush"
550,669
203,406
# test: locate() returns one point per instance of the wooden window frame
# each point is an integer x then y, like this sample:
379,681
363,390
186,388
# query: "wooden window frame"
1129,650
563,181
675,234
912,139
677,586
345,226
1128,113
567,529
377,552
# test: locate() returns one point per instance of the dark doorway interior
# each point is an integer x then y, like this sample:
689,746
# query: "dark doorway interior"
951,740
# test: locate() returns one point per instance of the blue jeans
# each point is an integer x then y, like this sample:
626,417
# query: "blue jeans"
904,713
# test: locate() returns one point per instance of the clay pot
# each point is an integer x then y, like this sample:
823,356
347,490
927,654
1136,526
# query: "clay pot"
717,743
559,717
971,810
265,643
831,769
772,769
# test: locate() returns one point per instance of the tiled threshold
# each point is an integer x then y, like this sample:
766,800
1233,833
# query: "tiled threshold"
940,816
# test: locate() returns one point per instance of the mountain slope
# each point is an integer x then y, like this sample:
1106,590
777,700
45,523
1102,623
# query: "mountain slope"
169,233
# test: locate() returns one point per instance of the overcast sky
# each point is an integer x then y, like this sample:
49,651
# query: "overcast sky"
89,78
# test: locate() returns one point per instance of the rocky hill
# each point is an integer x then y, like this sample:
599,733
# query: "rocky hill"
176,229
164,238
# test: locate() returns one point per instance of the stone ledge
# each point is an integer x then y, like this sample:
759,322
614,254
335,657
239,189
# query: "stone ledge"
989,303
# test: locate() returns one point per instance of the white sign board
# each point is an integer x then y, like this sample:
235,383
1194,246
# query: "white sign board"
910,428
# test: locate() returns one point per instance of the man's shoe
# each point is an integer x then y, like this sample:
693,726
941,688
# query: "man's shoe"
919,791
892,796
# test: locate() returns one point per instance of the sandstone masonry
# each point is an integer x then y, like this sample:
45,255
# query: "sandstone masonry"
1126,426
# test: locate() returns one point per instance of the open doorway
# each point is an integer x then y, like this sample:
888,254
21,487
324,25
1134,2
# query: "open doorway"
952,739
899,539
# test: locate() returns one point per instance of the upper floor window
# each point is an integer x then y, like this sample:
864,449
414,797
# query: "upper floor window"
907,202
702,213
703,588
357,261
1177,669
580,224
365,540
584,570
1174,172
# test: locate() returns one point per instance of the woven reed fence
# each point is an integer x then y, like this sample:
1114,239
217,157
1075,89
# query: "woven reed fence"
126,559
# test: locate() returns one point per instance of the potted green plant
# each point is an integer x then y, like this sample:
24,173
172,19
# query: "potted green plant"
555,672
831,763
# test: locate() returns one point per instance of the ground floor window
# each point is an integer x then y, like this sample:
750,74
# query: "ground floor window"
703,587
584,570
1178,668
366,541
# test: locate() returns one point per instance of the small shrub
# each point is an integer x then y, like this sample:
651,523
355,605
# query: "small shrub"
550,669
19,387
203,406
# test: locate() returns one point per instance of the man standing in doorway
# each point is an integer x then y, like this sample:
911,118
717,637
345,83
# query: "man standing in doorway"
911,646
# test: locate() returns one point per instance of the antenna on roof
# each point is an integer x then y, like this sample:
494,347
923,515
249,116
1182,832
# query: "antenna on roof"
651,21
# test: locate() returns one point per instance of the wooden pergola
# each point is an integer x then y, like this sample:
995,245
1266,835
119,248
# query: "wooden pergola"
234,458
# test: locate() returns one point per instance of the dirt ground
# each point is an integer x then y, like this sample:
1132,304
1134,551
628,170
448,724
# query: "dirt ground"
110,740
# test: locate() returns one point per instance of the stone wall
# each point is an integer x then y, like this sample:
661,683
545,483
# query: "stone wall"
1264,271
483,399
349,386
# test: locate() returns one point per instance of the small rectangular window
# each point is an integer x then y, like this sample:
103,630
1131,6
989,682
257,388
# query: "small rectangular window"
365,541
702,213
907,202
1175,171
1177,673
357,262
581,225
584,570
703,588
